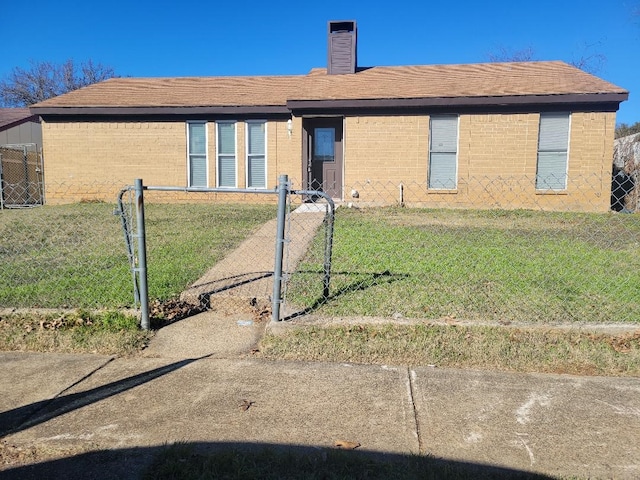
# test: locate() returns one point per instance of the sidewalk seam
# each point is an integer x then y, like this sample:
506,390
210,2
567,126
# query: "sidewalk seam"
410,376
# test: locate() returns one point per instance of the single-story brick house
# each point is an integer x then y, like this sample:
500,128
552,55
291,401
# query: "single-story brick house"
455,135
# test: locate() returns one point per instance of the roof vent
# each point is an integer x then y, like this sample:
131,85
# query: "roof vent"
342,47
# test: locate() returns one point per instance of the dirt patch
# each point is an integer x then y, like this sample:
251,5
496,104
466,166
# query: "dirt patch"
162,313
12,456
170,311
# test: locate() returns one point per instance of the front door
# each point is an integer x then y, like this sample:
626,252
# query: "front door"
323,155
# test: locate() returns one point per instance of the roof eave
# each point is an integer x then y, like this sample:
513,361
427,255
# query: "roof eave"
160,111
599,101
604,99
15,123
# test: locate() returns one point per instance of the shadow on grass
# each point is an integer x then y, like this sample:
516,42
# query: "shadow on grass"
255,460
364,282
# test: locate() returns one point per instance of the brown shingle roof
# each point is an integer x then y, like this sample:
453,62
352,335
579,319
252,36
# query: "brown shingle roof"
10,117
376,83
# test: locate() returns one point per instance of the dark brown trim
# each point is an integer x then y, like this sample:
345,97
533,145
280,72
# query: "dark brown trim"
461,110
158,118
163,111
15,123
401,103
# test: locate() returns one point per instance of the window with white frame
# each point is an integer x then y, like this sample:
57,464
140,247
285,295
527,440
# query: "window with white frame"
197,154
226,154
553,149
443,152
256,133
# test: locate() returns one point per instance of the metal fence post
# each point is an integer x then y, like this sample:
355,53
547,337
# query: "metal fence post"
328,248
142,256
283,188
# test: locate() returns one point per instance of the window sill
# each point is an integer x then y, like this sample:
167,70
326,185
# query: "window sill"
552,192
431,191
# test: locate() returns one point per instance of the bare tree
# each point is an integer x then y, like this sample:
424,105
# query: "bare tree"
505,54
590,61
624,130
24,87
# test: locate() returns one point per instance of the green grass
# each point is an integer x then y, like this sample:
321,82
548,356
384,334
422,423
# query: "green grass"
474,265
74,256
478,265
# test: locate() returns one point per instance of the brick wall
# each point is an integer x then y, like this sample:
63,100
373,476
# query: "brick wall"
94,160
382,154
497,158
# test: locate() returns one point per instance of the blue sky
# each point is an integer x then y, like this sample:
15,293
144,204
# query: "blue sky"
225,37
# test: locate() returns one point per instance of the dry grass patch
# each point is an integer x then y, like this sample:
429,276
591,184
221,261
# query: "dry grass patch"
12,456
493,348
107,333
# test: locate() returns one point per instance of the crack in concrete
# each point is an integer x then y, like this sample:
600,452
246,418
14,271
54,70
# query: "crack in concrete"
412,389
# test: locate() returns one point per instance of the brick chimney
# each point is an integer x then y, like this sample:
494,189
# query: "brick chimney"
342,47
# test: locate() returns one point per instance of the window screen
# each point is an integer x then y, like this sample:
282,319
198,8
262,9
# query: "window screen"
256,155
197,146
553,145
443,152
226,142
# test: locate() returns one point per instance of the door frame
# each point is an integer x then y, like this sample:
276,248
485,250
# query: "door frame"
308,124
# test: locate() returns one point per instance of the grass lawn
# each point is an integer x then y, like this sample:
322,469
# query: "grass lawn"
526,267
74,256
478,265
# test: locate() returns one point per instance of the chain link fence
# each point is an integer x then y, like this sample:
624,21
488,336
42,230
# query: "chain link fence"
63,256
21,176
392,256
443,260
77,255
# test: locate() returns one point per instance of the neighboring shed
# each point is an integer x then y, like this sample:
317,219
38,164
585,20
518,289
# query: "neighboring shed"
514,135
21,171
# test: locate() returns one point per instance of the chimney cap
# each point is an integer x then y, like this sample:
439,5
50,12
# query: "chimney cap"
337,26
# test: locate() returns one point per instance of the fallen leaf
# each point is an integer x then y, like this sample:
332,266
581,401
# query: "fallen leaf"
346,445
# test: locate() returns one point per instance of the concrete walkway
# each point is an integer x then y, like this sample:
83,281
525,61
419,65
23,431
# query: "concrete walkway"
246,274
200,383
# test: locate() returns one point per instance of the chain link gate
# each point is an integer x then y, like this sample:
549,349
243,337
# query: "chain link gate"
21,176
292,238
